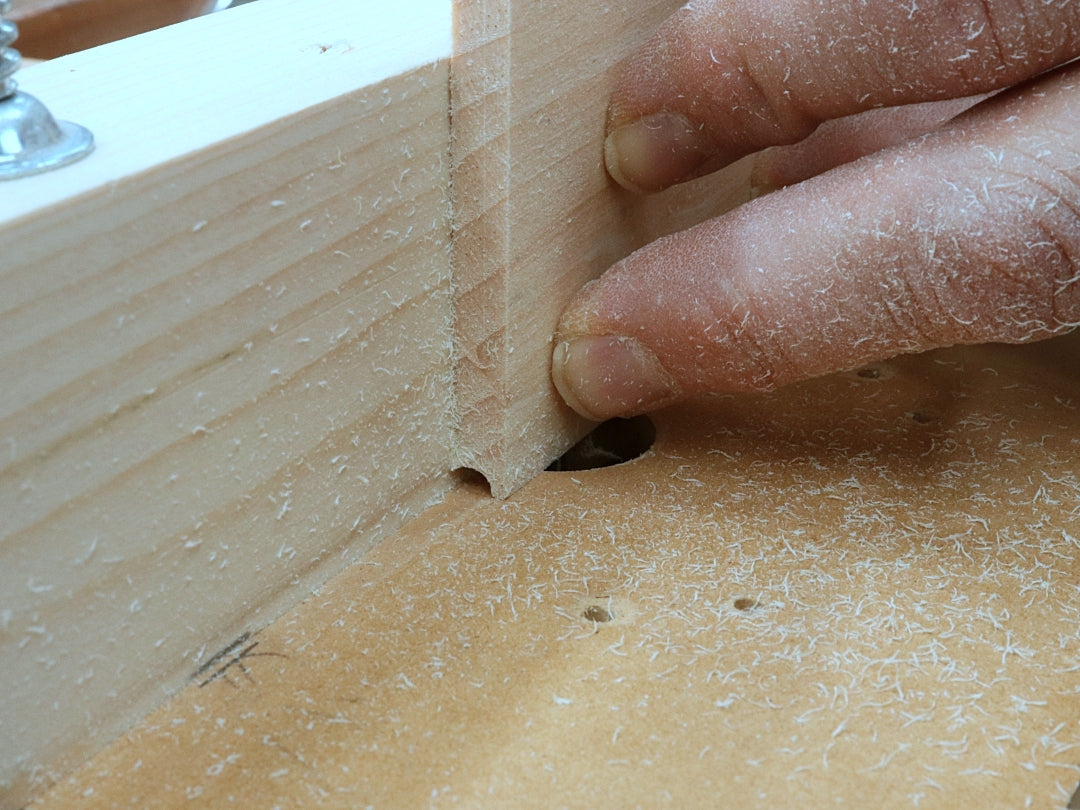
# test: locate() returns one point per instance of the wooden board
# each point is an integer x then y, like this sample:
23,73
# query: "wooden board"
226,350
235,314
858,592
535,214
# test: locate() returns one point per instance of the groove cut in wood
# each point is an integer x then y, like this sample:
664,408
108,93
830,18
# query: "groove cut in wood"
226,350
535,215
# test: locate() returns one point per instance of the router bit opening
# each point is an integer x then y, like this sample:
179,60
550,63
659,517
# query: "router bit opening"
615,441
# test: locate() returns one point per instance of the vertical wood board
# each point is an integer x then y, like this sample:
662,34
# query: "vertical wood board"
535,215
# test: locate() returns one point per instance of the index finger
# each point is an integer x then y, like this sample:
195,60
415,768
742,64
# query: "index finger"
724,78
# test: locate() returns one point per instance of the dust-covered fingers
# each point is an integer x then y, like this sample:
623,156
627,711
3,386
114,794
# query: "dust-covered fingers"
967,235
724,78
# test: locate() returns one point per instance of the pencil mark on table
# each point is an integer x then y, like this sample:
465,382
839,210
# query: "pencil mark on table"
232,656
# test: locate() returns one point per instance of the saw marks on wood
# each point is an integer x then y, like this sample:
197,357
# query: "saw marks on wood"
859,591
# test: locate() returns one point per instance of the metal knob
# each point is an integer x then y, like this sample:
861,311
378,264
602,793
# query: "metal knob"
31,140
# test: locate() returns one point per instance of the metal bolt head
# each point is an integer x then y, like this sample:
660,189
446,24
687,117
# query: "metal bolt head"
32,141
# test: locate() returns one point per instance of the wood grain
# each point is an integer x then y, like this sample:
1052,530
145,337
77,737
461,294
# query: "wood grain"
226,352
860,591
535,214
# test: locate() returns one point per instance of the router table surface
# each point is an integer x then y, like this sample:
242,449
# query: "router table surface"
862,591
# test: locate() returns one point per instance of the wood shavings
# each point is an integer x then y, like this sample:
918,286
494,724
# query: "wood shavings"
812,598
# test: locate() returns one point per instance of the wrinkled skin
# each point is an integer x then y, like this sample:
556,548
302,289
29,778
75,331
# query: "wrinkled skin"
960,223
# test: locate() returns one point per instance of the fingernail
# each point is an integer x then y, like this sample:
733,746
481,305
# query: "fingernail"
602,377
654,152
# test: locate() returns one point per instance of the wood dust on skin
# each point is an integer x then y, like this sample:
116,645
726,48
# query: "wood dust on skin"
862,590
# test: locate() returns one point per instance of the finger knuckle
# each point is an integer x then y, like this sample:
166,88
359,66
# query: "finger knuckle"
1031,246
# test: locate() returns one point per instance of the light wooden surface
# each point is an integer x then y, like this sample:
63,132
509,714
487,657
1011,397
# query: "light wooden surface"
861,591
225,350
535,214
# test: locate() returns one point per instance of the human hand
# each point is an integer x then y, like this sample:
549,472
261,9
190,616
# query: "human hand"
967,234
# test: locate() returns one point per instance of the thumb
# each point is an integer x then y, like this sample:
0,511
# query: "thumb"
971,234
